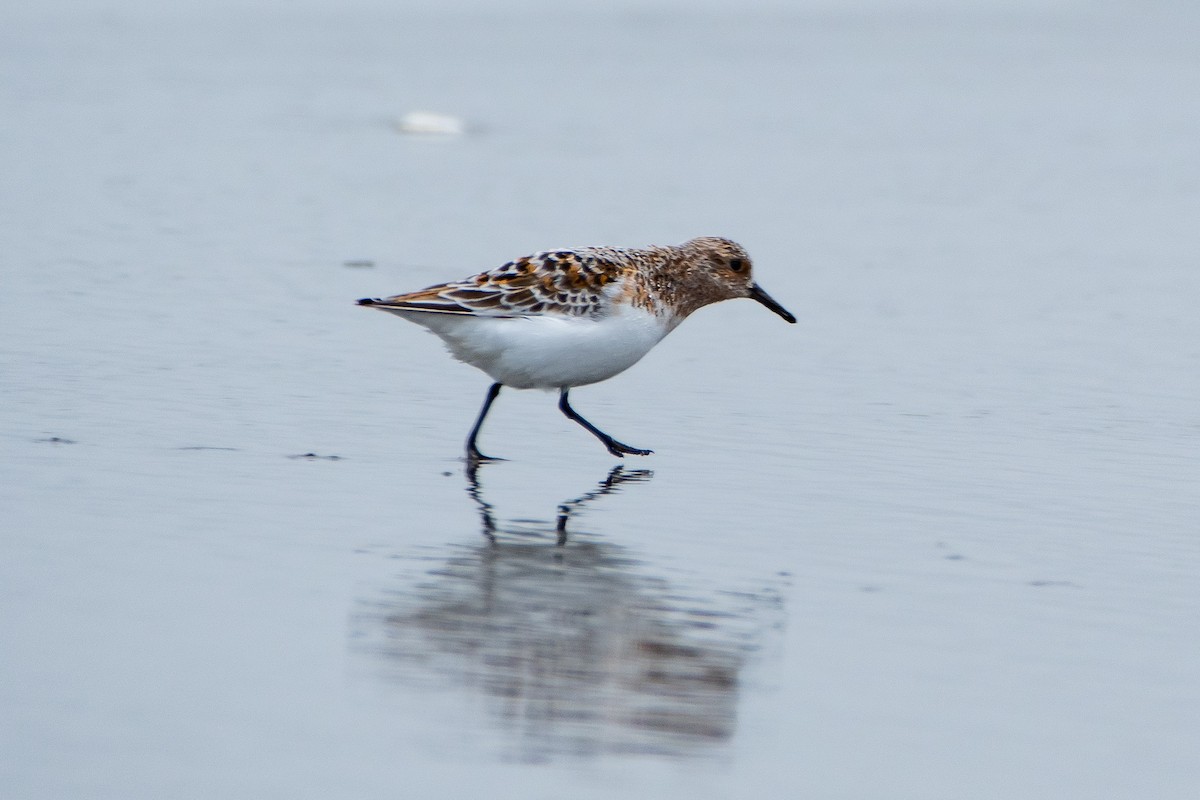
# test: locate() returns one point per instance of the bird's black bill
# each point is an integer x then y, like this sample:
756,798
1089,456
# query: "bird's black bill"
758,294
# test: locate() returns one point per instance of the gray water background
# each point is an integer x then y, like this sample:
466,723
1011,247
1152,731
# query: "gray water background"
938,540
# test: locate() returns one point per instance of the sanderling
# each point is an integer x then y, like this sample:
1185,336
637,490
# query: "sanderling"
565,318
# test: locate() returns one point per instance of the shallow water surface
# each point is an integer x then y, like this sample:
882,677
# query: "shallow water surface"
937,540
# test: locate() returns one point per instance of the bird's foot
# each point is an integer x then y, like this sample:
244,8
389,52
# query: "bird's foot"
475,457
619,449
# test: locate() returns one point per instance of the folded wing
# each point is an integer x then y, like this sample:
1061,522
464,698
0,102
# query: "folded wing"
564,282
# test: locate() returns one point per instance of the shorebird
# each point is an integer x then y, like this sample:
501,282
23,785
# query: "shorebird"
558,319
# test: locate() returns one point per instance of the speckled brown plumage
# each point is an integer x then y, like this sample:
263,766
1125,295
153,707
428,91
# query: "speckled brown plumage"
586,282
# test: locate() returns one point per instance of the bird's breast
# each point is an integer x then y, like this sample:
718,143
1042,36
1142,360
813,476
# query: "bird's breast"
552,351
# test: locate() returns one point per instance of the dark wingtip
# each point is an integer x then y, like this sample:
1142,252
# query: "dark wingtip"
367,301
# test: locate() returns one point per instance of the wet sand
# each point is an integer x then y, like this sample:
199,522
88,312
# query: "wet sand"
937,540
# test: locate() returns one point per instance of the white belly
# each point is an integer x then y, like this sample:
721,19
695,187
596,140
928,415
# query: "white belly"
548,352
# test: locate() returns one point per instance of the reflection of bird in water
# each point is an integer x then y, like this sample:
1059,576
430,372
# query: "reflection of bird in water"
578,647
616,476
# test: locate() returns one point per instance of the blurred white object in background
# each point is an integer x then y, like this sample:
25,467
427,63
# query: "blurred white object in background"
431,122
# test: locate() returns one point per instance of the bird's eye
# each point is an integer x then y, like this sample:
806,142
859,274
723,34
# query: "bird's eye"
737,265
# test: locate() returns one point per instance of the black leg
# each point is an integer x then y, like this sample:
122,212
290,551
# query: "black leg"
614,447
473,454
